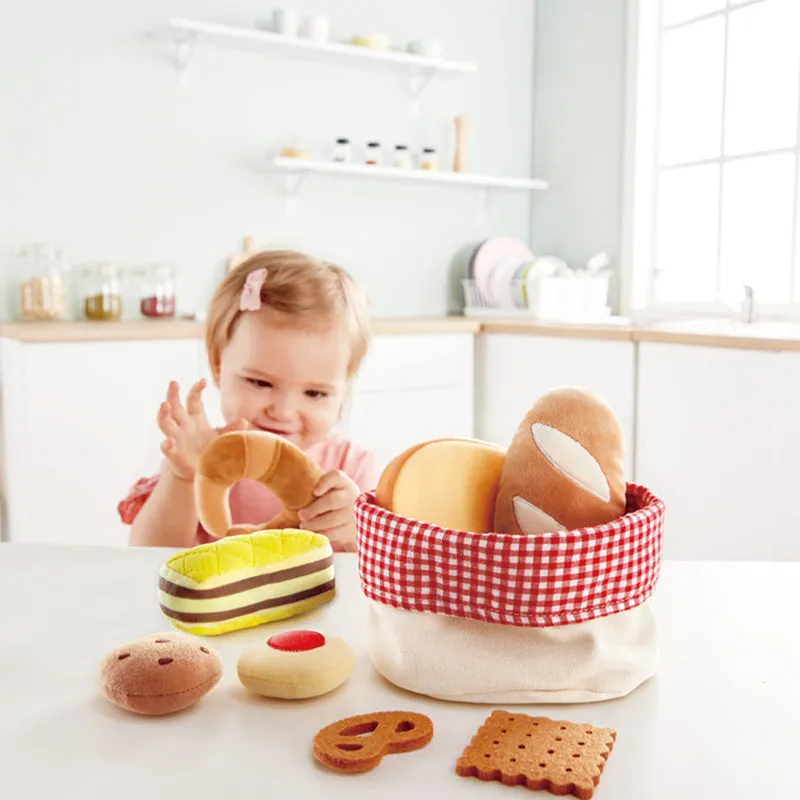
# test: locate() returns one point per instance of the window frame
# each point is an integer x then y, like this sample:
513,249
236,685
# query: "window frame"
640,169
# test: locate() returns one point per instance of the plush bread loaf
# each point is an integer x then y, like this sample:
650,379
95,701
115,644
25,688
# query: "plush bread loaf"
564,467
448,482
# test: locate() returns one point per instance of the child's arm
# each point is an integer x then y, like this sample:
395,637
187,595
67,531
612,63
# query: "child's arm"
168,517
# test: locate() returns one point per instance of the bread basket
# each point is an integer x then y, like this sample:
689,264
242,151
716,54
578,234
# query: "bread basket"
562,617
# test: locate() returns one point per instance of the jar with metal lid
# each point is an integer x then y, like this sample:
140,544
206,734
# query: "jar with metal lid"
101,291
341,151
373,153
402,158
41,287
157,297
428,159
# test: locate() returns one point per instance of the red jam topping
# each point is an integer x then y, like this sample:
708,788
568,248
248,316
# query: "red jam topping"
296,641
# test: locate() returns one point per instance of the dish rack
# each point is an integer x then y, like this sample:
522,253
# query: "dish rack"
563,298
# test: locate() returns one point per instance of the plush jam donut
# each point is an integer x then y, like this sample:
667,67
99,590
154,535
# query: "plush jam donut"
159,674
296,664
261,456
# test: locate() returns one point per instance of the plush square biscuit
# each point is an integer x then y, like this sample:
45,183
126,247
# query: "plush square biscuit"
539,753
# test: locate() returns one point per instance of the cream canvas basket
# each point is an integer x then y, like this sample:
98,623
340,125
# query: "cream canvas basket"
561,617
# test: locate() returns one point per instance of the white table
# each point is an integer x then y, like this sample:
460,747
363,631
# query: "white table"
722,715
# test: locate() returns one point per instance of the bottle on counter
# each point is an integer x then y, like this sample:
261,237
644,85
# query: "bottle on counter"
41,288
101,291
373,153
402,158
157,293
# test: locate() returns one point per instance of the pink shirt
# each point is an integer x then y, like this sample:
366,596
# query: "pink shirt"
251,502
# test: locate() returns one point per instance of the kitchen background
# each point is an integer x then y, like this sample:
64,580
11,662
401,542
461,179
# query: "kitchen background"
107,153
109,156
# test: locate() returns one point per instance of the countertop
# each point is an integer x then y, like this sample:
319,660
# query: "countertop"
720,719
766,335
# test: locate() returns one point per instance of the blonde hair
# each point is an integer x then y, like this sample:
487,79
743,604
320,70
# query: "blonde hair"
312,291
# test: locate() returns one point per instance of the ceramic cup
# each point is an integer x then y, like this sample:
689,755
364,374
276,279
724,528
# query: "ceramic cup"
316,27
285,21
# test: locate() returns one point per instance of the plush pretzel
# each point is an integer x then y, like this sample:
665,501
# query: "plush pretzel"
358,744
272,460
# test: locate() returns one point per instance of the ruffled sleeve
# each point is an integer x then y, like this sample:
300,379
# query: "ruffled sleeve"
132,503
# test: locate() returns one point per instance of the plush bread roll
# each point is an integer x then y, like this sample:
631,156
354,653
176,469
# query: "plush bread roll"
448,482
564,468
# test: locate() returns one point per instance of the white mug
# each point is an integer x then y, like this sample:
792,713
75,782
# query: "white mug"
284,21
316,27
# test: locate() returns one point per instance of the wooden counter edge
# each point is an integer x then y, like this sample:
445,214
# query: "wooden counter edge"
142,330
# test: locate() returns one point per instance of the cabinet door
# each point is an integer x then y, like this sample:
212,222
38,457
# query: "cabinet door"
387,422
84,431
712,433
514,370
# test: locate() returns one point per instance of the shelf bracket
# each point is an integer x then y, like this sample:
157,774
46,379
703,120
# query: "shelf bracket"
292,183
184,52
416,85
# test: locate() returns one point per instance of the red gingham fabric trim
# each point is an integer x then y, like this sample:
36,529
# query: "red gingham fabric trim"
528,581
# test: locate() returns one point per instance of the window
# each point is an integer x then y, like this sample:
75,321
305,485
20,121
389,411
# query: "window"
714,142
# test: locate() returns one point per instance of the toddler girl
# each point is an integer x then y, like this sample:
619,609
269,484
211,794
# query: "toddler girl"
285,336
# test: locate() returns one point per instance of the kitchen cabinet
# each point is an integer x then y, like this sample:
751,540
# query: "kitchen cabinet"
718,438
79,420
514,370
79,426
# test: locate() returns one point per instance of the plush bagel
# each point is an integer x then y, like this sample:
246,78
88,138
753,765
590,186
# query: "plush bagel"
564,467
159,674
448,482
272,460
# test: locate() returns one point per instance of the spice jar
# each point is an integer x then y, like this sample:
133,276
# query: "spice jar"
157,291
101,291
428,160
341,152
41,287
373,153
402,159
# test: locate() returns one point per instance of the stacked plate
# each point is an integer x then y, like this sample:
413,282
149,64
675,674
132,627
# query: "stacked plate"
499,271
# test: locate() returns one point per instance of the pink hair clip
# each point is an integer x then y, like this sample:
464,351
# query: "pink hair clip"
251,291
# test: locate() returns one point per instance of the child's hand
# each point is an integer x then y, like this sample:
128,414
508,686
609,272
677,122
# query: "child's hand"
187,430
333,512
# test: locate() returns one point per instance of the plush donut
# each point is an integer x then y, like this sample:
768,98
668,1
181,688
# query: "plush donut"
296,664
564,467
277,463
448,482
159,674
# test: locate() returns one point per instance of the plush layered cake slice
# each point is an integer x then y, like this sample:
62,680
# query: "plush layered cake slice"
247,580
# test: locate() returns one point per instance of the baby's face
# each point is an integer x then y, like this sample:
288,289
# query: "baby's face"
282,378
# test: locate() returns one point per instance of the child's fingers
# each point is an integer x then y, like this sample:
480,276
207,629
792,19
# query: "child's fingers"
335,479
166,423
174,399
194,401
329,521
331,501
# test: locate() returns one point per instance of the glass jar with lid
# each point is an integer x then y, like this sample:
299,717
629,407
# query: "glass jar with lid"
428,159
157,294
101,291
373,156
41,290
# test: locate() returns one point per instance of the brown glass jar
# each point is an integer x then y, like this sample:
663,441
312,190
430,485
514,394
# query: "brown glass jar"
101,292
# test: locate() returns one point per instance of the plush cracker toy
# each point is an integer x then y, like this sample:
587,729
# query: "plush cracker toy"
448,482
564,468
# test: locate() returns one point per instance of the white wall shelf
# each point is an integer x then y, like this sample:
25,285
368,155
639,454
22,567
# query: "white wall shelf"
186,34
295,170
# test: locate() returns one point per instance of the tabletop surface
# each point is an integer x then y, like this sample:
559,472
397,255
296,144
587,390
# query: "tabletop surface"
721,719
